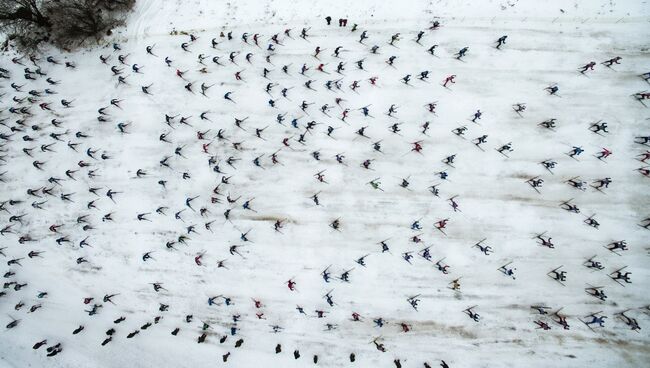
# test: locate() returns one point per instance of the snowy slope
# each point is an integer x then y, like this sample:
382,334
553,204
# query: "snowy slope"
545,46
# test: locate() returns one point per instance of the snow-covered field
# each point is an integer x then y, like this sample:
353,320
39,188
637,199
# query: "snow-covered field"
548,42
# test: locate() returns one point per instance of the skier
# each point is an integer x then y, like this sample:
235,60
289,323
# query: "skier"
461,53
548,124
552,90
508,271
291,285
519,108
589,66
595,318
644,140
618,275
559,276
108,298
418,38
444,268
576,151
592,222
631,322
645,76
542,325
145,89
643,157
596,292
505,148
603,154
591,263
560,319
545,242
577,183
329,299
501,41
440,225
612,61
477,116
473,315
599,183
449,79
364,35
460,131
454,204
480,140
326,274
485,249
640,96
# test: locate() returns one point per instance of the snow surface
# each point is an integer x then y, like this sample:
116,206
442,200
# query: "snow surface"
547,42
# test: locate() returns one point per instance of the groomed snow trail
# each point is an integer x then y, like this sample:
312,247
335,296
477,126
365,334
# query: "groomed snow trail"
546,45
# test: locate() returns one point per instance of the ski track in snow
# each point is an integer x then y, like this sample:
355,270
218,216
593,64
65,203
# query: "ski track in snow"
544,47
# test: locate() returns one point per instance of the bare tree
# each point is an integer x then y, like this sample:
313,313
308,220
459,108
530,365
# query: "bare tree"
64,23
20,13
75,20
24,20
116,5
